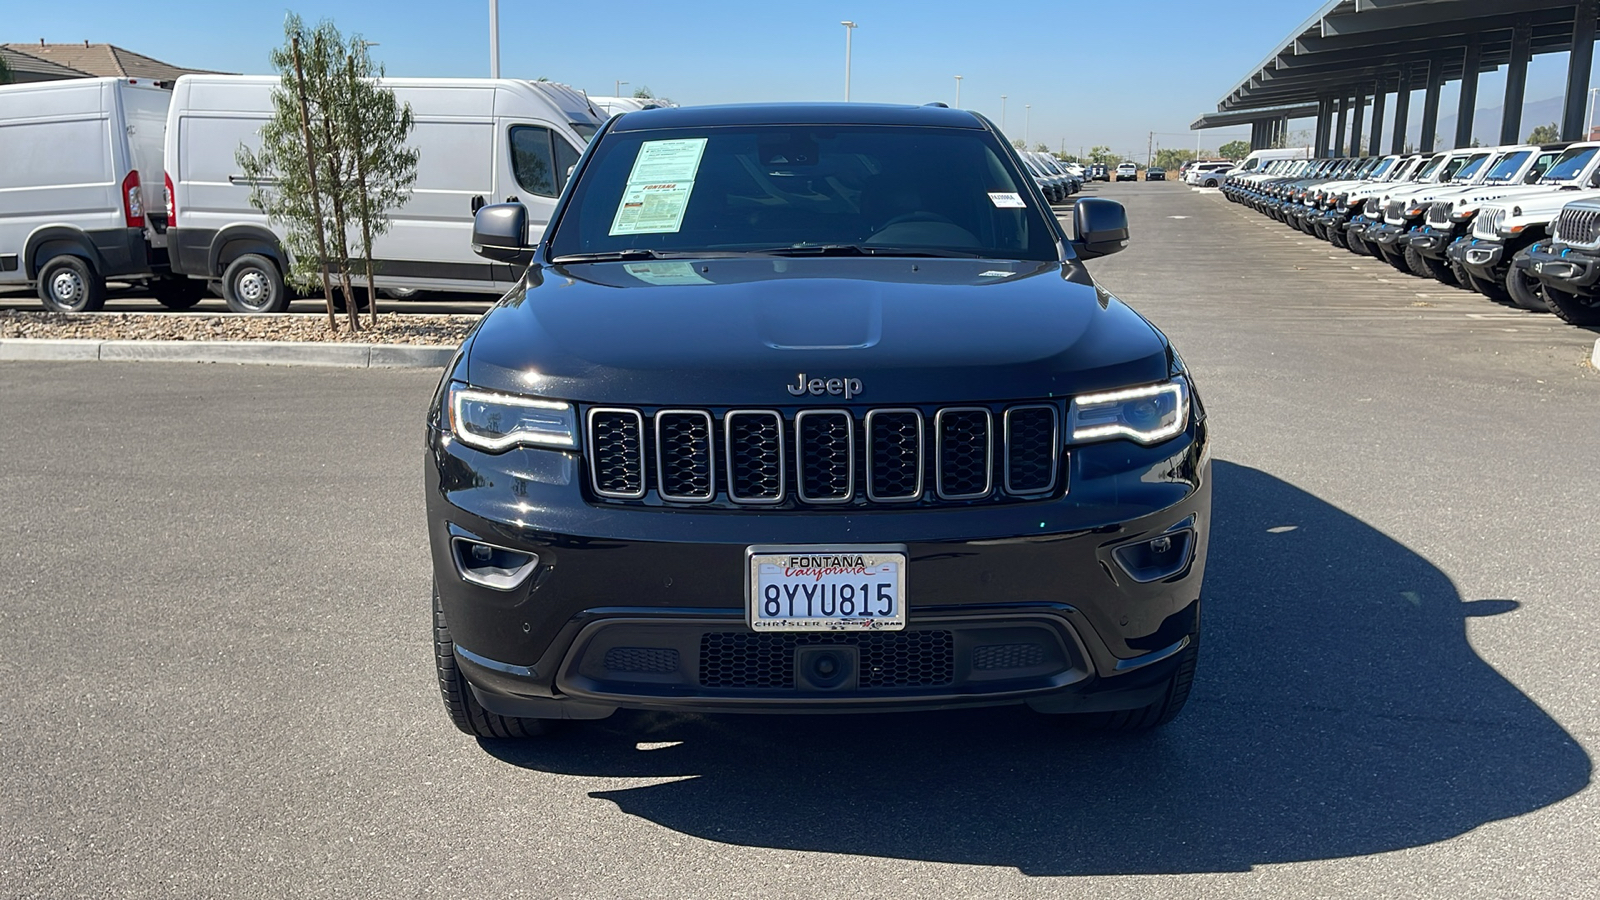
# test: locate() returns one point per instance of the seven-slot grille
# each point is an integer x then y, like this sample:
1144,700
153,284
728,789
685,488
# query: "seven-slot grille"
1439,213
826,456
1487,225
1372,208
1578,225
1394,213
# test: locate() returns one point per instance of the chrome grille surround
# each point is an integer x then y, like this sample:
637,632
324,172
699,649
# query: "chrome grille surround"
816,454
954,444
1578,226
1439,213
1394,213
902,461
1021,419
1371,209
1487,225
744,461
616,475
847,457
671,439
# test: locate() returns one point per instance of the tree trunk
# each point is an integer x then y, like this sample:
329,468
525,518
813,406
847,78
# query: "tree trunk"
316,197
340,222
358,146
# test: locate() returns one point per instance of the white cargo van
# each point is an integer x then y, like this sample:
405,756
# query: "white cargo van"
80,187
479,141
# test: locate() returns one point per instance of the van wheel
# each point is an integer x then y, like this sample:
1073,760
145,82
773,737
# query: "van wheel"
68,284
178,293
252,285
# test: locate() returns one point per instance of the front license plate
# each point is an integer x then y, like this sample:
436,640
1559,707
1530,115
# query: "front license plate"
826,588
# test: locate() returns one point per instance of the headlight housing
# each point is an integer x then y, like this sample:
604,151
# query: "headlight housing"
1148,414
495,422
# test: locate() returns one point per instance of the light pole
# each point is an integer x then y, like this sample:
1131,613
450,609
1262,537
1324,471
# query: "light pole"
958,92
618,89
848,27
1002,113
1027,118
1588,127
494,38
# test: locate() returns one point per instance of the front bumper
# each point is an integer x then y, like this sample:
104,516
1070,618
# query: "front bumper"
1481,256
1385,234
1568,268
644,608
1434,242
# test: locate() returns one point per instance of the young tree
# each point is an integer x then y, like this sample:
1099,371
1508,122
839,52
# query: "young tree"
1102,156
1544,134
5,71
332,159
1234,150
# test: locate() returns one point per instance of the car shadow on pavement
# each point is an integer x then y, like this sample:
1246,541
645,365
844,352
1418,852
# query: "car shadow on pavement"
1339,711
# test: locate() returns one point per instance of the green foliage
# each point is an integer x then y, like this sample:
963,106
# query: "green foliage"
1041,147
1103,156
1544,134
1170,158
1234,150
5,71
642,92
1019,143
333,159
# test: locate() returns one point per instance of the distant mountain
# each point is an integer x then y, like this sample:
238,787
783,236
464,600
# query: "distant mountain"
1485,122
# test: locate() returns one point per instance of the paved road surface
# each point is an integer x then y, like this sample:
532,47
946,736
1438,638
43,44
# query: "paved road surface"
217,680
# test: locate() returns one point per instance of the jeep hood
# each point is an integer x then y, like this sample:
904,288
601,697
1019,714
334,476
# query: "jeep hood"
740,331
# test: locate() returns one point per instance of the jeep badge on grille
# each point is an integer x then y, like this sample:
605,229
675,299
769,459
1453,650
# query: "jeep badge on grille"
816,387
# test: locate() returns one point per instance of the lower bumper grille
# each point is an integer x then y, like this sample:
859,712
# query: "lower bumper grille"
897,659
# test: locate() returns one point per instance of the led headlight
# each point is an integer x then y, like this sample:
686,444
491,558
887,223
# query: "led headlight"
495,422
1147,414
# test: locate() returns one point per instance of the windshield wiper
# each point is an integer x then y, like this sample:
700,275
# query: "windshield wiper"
608,256
859,250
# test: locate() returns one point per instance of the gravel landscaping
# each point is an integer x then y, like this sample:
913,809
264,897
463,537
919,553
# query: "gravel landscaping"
426,330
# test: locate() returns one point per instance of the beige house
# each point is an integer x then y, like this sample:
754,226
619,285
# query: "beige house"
51,62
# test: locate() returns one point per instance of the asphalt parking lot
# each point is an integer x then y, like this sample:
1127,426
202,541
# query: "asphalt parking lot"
218,683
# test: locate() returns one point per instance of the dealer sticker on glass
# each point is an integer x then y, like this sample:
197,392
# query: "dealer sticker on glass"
826,588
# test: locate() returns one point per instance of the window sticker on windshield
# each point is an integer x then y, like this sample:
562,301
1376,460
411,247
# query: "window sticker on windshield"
1007,201
667,161
665,273
659,187
652,208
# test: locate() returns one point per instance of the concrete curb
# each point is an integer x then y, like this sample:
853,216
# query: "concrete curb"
269,353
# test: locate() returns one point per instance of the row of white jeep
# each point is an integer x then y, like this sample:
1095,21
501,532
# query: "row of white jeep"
1519,224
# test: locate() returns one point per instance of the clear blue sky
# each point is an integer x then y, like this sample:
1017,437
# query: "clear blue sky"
1110,75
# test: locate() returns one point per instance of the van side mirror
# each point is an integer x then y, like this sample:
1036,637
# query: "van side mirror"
1102,227
500,233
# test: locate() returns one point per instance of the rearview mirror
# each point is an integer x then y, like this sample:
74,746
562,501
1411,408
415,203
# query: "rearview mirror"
1101,225
500,233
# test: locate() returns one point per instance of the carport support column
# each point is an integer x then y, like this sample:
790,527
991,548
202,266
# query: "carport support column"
1338,134
1402,112
1578,70
1324,125
1430,105
1257,142
1375,143
1355,121
1516,83
1280,133
1469,91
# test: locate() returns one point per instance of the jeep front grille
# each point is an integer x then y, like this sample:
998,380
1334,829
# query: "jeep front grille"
1395,212
1578,225
1487,225
1372,208
818,457
1439,214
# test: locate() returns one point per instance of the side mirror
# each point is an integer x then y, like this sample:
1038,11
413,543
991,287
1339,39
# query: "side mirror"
1102,227
500,232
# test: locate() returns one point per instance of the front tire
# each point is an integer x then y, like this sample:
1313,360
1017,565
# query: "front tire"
1571,308
1525,291
253,284
464,710
1157,714
68,284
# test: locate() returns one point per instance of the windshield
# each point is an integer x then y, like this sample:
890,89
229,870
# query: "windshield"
1472,167
1571,164
1432,166
1507,168
869,190
585,130
1384,166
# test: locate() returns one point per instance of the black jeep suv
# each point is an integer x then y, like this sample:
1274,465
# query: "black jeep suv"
812,407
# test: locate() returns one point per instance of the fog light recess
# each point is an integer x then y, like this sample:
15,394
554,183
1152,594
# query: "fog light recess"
486,565
1158,557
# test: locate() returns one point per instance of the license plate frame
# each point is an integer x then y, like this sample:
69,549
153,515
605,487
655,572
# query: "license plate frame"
872,558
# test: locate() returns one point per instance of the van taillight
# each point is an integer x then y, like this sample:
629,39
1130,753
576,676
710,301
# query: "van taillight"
172,201
132,200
